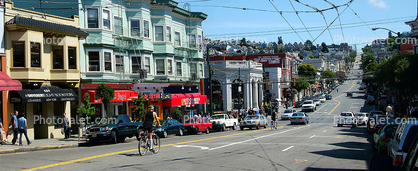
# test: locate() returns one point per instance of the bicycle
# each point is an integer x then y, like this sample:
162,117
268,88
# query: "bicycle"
143,145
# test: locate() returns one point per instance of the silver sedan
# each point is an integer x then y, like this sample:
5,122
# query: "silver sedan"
299,117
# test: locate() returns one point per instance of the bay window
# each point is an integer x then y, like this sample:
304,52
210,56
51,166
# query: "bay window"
169,67
135,28
35,54
108,61
178,69
147,64
160,66
177,39
168,34
159,35
136,64
57,57
118,25
146,28
72,58
119,63
92,18
192,41
193,68
94,61
200,70
18,54
106,19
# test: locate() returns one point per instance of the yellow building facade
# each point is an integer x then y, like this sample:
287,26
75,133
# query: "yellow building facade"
42,52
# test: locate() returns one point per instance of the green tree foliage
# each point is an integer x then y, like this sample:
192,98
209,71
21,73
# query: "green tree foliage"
105,93
301,84
243,42
366,49
177,114
308,71
324,47
366,59
276,51
329,76
86,110
140,110
261,50
311,56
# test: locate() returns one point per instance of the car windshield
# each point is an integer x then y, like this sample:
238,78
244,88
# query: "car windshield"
298,114
315,100
287,111
345,114
109,120
307,102
252,117
360,115
217,117
164,123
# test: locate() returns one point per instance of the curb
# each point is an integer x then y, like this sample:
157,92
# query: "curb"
26,149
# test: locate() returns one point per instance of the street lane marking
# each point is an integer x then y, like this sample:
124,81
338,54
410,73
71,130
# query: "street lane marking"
288,148
338,136
300,160
312,136
324,131
252,139
339,97
201,147
136,149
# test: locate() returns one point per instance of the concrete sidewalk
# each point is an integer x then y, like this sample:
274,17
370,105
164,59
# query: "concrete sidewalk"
40,144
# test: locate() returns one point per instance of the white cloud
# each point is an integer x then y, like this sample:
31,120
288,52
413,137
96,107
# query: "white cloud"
378,3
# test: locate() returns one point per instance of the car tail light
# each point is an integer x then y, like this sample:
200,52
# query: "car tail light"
338,117
303,117
398,160
359,119
385,139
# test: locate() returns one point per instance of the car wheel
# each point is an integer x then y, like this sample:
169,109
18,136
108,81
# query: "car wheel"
165,135
121,139
265,125
291,123
338,125
242,128
207,130
257,127
113,137
234,127
196,130
181,132
223,127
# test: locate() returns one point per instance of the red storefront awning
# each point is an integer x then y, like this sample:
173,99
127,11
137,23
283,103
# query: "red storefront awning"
185,99
120,95
6,83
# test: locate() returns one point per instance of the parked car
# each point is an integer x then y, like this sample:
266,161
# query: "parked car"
347,118
322,99
328,97
399,145
384,162
299,117
114,128
197,124
223,121
372,121
299,103
253,121
308,105
371,100
169,127
287,114
362,118
317,102
376,112
382,137
349,94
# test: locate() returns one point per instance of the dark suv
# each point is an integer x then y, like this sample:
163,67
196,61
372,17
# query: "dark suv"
401,142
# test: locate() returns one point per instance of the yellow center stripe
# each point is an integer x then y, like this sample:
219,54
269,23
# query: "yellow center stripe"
126,151
339,97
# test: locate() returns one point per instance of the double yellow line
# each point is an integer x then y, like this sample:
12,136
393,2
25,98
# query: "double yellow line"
339,97
127,151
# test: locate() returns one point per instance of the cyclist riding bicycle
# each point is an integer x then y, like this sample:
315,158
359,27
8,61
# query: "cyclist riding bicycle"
273,118
149,118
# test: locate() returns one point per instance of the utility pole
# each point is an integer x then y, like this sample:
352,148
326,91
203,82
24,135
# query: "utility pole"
239,87
210,81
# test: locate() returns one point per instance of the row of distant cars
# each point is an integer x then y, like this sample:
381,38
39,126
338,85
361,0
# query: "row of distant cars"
310,105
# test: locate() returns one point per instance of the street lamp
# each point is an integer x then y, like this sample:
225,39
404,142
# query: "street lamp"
397,33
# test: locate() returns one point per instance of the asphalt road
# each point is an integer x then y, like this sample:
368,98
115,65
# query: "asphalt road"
320,145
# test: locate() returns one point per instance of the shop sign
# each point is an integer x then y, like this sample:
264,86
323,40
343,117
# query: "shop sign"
156,96
189,101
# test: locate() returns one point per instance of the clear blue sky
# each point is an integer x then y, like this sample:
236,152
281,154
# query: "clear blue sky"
225,21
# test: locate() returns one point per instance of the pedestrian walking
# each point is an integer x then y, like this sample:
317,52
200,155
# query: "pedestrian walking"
66,126
13,126
23,126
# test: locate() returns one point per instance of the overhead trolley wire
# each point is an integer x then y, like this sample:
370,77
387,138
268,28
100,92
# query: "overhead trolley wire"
339,18
301,20
363,21
281,14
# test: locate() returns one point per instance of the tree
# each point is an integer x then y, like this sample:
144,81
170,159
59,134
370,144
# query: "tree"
324,47
308,71
308,44
280,40
366,49
329,76
105,93
243,42
302,84
366,59
177,114
86,110
140,109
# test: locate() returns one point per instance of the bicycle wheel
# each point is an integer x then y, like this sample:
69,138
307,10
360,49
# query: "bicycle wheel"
156,143
142,146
